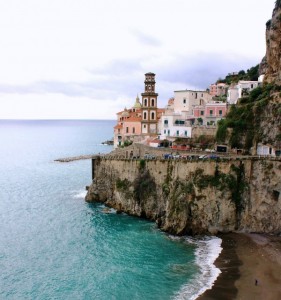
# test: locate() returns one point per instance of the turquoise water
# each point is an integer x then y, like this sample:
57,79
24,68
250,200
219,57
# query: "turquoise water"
54,245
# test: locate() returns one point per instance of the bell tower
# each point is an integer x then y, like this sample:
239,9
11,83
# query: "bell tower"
149,106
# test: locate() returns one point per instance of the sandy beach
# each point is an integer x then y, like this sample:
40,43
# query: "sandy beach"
250,267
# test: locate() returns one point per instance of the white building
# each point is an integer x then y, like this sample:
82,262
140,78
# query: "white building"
185,100
265,150
238,91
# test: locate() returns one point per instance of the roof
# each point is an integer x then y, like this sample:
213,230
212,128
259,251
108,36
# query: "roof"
133,119
118,126
155,141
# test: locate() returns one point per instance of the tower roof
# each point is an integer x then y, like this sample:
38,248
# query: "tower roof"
137,103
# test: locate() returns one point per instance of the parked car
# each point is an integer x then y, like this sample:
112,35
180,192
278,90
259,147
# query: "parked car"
210,150
193,157
204,156
176,156
213,156
167,156
149,156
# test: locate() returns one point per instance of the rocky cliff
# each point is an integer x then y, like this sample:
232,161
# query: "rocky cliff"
271,64
193,197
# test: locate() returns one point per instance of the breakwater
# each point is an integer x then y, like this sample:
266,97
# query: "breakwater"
193,197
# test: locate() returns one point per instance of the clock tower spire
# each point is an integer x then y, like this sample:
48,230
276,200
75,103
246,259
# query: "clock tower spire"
149,106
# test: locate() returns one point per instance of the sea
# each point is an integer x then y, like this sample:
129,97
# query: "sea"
54,245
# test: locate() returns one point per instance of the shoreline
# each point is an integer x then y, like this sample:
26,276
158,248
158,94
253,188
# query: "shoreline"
244,259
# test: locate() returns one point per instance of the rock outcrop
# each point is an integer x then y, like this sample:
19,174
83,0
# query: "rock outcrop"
193,197
271,65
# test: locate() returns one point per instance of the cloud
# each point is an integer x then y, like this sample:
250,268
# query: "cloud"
146,39
124,78
201,69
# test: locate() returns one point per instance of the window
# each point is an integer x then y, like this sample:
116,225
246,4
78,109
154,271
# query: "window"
252,86
127,129
152,116
118,130
152,102
164,131
145,102
168,131
144,126
211,112
202,112
184,101
195,95
134,130
166,122
220,112
178,132
144,115
185,132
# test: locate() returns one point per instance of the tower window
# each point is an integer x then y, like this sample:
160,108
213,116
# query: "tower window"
184,101
152,102
127,129
152,116
134,130
145,102
144,116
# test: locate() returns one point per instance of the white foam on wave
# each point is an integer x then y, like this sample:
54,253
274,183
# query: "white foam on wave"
80,194
207,252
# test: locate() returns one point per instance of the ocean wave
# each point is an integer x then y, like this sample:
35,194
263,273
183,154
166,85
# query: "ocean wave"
80,194
207,252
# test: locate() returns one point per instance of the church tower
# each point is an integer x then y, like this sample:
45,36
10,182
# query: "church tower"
149,106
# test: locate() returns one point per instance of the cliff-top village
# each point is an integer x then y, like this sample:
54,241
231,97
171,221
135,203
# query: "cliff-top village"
189,115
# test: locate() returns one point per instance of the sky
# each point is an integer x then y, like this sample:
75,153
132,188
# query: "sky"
86,59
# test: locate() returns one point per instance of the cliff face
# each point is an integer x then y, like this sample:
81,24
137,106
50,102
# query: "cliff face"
271,65
193,197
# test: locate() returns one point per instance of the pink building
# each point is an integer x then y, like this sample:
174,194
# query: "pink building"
218,89
211,113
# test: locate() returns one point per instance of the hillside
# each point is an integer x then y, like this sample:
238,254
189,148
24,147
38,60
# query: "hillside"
257,117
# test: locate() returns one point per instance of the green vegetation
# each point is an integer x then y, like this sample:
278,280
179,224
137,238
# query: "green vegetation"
251,74
233,182
241,127
122,185
142,164
127,143
278,3
144,186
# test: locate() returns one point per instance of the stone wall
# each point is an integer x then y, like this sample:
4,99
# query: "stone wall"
193,197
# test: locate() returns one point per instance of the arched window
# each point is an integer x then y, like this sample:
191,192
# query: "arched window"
144,115
145,102
152,102
152,116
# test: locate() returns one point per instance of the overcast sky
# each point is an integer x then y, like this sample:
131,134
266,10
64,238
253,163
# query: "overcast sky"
86,59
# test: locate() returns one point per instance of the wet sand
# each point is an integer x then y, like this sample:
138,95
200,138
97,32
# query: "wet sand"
244,259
